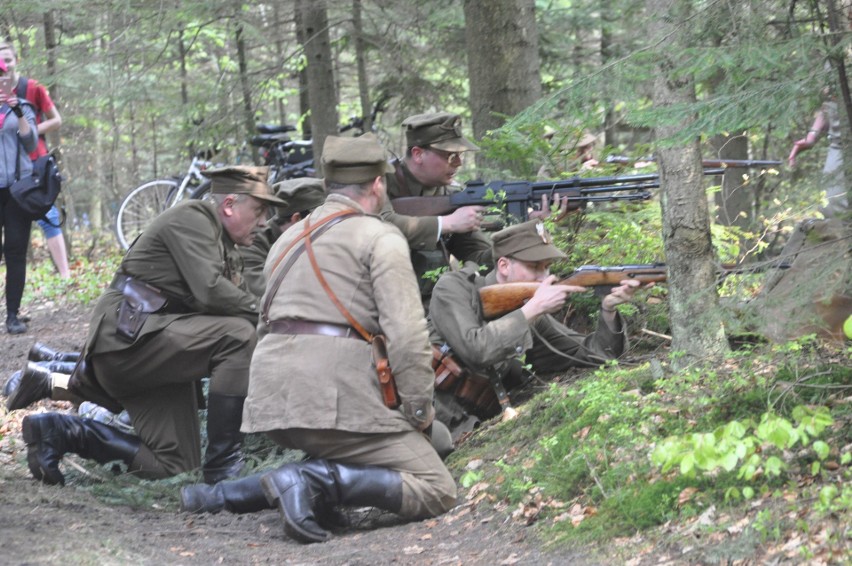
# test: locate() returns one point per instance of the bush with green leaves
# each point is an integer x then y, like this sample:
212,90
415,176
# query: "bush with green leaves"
755,448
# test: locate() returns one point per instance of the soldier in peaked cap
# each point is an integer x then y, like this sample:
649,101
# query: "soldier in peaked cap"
524,253
177,310
361,451
300,197
434,154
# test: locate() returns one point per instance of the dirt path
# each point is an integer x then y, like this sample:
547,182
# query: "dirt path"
50,525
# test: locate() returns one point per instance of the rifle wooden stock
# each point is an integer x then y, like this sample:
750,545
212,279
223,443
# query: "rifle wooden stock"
503,298
423,206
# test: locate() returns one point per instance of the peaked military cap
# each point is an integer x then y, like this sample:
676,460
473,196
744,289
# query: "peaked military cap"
528,241
441,130
351,161
298,195
240,179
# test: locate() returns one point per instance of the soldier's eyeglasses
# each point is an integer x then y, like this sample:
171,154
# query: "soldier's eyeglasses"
450,156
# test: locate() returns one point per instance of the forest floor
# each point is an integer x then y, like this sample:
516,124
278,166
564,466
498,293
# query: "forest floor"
78,524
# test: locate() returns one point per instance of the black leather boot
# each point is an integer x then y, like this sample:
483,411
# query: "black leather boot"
35,385
223,459
303,491
49,436
236,496
14,325
41,353
12,383
59,367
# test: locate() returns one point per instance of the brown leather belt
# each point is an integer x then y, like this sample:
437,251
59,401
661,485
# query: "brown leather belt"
291,326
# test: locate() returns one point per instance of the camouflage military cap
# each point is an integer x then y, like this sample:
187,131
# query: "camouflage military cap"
528,241
242,180
298,195
441,130
352,161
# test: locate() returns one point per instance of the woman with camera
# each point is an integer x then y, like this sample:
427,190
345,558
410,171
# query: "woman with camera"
17,139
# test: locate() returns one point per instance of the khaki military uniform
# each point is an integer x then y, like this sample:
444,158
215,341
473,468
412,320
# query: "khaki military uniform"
320,393
187,254
427,249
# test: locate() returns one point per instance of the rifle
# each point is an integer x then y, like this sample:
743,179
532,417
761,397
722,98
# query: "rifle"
504,298
518,196
726,163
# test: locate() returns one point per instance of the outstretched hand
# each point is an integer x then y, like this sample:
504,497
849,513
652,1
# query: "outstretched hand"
623,293
547,208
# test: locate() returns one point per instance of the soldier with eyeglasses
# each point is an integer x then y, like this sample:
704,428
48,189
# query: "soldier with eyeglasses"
434,154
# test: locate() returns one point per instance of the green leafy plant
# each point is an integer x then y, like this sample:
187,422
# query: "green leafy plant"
745,444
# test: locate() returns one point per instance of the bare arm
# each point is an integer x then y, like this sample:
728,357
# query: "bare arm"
51,123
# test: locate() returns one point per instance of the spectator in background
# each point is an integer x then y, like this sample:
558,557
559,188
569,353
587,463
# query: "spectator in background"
17,139
572,152
827,123
47,120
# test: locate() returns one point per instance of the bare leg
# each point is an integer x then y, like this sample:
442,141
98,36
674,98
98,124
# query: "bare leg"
56,246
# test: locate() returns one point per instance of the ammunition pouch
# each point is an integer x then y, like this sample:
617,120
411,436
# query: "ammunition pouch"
478,394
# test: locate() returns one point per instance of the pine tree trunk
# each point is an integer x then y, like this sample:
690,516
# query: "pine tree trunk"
735,202
503,61
697,331
361,60
320,72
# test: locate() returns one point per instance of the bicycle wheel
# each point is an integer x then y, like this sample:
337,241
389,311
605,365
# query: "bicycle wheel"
202,190
141,206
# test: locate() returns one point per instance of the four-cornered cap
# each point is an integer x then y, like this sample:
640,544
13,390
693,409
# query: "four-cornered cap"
352,161
242,180
528,241
440,130
298,195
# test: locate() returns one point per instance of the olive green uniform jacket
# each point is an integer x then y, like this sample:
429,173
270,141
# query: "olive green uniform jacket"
254,257
324,382
187,254
422,231
456,318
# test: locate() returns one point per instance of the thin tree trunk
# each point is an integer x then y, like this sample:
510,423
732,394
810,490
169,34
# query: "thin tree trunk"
697,331
735,202
248,112
320,73
361,60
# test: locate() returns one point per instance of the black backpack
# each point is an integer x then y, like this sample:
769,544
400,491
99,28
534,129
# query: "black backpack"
37,193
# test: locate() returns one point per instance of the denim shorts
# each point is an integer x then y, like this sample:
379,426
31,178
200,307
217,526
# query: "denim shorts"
51,231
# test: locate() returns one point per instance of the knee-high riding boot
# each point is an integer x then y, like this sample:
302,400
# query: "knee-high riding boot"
49,436
223,459
303,491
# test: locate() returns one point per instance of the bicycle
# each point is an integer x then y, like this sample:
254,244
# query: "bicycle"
286,158
141,205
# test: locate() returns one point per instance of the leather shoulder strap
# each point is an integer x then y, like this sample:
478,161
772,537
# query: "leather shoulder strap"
310,232
354,323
